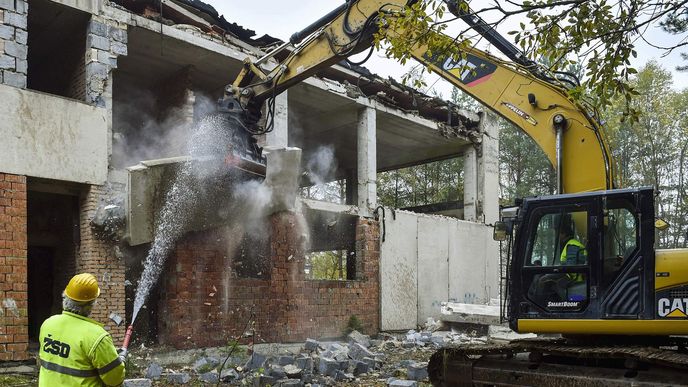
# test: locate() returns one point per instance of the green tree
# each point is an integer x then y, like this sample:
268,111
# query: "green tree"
651,151
599,35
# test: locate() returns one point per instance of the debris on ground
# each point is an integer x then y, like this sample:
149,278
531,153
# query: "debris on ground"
357,360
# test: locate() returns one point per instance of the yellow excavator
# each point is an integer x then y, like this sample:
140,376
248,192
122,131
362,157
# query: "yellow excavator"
617,306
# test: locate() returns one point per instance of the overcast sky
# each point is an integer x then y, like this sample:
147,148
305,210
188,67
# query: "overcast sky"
282,18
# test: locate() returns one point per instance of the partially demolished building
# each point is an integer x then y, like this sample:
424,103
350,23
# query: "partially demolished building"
98,101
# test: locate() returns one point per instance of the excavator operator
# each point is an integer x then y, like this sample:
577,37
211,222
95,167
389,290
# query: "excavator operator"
557,287
74,349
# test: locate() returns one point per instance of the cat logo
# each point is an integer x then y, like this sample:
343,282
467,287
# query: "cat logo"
675,307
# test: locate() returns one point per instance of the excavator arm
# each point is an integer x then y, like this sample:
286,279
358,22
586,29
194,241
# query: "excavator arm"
519,90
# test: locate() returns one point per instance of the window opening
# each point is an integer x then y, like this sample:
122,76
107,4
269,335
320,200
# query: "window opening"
620,240
560,240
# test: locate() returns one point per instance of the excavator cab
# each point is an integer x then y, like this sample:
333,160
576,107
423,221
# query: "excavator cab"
582,257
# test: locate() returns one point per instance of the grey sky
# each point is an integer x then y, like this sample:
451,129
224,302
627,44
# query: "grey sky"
282,18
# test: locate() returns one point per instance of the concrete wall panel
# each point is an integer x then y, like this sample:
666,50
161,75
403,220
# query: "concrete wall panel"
52,137
434,238
467,265
426,260
398,272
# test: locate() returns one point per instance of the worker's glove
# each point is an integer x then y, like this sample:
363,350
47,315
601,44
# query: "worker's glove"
122,353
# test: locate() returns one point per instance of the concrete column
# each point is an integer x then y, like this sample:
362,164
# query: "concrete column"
489,167
367,160
470,184
279,137
481,175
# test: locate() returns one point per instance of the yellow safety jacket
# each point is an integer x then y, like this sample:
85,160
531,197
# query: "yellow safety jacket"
574,253
77,351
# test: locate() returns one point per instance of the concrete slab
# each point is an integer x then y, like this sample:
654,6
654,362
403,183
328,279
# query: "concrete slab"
470,313
52,137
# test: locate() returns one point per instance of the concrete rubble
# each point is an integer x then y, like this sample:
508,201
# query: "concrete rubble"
389,359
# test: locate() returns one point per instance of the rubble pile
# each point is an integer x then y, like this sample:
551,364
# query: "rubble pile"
388,360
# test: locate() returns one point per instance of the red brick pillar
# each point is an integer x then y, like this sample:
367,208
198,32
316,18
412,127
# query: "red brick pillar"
14,324
368,271
287,301
96,256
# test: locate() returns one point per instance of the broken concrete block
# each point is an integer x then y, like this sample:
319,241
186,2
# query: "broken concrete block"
289,382
256,361
343,364
205,364
372,362
341,376
153,371
137,383
276,371
285,360
229,375
417,371
305,363
358,352
263,381
358,337
306,378
361,367
402,383
209,377
181,378
311,345
292,371
327,366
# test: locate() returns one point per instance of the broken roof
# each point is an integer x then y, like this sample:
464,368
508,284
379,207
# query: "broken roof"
359,80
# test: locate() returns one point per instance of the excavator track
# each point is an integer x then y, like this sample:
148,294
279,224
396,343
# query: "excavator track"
554,362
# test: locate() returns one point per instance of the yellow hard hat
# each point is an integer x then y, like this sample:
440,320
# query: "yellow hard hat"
83,287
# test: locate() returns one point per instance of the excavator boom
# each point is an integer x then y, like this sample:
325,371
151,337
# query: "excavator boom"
565,130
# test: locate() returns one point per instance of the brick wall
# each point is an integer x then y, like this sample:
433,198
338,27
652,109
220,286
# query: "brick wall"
13,42
205,303
13,266
97,256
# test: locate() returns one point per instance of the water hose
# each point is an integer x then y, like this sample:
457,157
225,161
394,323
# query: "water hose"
127,337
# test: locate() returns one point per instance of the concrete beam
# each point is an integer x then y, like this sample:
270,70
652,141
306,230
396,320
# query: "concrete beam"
367,160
